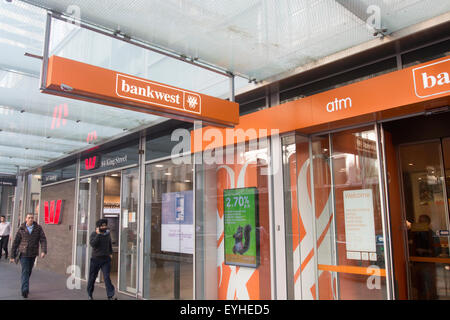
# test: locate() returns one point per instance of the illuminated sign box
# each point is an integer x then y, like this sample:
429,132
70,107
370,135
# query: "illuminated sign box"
82,81
241,230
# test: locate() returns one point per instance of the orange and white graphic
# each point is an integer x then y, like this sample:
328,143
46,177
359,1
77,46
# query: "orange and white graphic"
304,220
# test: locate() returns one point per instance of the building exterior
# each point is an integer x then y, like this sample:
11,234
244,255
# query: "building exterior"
319,193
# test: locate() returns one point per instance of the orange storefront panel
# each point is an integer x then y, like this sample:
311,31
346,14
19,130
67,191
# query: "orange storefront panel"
411,90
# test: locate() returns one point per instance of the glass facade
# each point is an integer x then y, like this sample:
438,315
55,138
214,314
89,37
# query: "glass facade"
217,276
169,230
128,248
334,218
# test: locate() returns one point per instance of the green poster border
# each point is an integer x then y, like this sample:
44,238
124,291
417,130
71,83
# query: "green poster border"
257,227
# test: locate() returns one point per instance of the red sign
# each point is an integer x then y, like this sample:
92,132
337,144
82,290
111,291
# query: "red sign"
53,211
92,163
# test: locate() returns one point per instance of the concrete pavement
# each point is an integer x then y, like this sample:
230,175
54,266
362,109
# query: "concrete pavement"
45,285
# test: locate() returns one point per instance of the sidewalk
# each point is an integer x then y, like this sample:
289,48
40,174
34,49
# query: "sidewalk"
45,285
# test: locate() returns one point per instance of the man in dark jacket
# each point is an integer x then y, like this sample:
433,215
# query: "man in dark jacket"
101,244
26,245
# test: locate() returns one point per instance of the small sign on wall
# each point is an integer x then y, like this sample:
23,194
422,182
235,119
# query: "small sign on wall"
53,210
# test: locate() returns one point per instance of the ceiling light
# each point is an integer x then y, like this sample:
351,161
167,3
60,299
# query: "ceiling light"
410,164
167,173
159,165
187,181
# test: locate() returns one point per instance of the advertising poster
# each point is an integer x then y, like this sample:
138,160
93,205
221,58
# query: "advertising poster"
177,225
359,221
241,227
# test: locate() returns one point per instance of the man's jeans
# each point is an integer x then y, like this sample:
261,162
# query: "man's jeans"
98,263
27,266
4,245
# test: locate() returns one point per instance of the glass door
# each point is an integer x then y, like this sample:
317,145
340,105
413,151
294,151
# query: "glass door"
335,218
427,220
89,208
82,227
128,251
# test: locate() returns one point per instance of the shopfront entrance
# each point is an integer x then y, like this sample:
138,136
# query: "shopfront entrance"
113,196
424,177
337,240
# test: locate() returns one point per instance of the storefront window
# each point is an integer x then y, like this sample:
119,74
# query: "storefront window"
33,193
7,202
82,230
296,151
334,217
169,230
128,232
232,224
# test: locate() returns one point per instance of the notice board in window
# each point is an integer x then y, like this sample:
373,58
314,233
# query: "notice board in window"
177,222
359,221
241,227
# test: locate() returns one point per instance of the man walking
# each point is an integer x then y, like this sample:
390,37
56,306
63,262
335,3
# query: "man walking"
26,245
5,229
100,241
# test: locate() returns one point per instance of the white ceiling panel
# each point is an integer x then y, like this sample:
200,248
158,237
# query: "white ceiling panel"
259,38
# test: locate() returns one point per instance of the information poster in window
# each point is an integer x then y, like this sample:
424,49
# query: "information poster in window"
177,225
241,229
359,221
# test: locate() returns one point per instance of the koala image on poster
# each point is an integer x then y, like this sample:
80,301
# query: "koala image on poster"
241,227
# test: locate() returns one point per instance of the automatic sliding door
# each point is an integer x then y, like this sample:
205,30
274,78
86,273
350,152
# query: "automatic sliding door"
426,210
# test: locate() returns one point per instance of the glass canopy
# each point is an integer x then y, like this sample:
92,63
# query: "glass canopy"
37,128
256,38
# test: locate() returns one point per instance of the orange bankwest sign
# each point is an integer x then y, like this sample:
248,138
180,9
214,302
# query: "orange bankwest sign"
78,80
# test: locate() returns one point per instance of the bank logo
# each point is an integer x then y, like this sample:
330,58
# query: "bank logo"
432,79
152,93
192,101
92,163
52,211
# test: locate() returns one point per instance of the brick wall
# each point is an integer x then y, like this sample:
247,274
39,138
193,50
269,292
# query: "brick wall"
59,237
